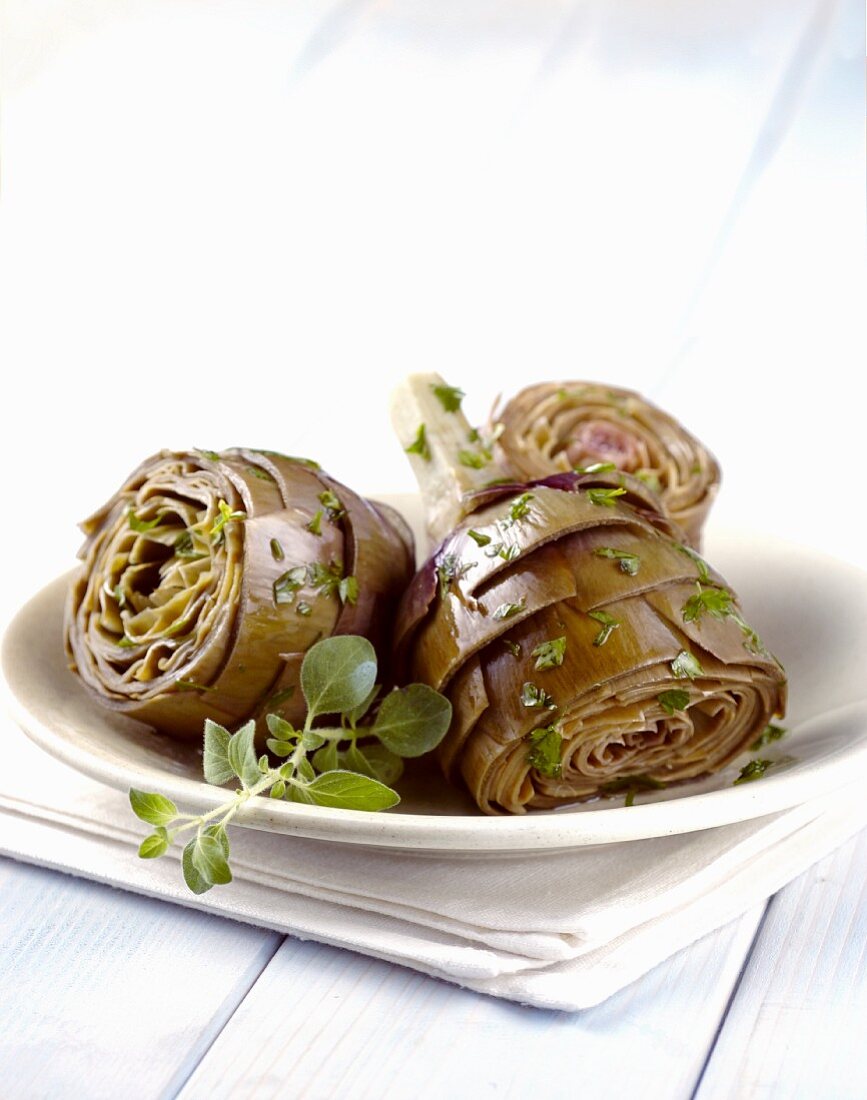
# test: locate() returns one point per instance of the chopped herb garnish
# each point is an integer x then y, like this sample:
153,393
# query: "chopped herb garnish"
754,770
478,538
276,550
326,578
261,474
450,569
609,625
520,507
698,560
347,590
289,458
550,654
184,547
288,583
315,525
631,785
226,515
769,733
120,596
716,602
474,459
686,666
629,563
513,647
212,455
140,526
419,445
507,610
533,696
450,397
695,468
606,498
596,468
673,700
546,745
304,608
331,503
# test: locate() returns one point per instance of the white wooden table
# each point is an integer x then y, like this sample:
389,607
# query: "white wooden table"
280,208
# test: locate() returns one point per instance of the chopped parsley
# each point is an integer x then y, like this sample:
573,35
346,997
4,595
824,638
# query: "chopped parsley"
140,526
533,696
507,610
218,532
347,590
686,666
478,538
474,459
550,654
716,602
288,583
276,550
698,560
419,445
513,647
451,569
261,474
609,625
519,508
673,700
606,498
754,770
631,785
303,608
331,503
596,468
629,563
546,746
450,397
769,733
315,525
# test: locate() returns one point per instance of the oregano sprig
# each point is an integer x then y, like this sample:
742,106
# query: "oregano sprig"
349,764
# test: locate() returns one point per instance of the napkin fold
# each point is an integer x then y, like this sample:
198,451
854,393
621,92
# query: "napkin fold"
560,930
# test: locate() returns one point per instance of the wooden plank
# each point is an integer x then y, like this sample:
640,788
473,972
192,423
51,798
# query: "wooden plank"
797,1021
324,1023
108,994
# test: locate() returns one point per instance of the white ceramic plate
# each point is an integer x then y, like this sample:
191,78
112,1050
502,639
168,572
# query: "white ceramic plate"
810,610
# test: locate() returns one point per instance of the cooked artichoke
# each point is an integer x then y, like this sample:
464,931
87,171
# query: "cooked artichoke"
556,426
207,577
585,649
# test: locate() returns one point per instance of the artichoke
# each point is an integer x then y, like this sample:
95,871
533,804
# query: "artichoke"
585,648
207,577
554,427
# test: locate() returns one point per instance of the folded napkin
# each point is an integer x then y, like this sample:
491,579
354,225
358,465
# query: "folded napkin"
559,930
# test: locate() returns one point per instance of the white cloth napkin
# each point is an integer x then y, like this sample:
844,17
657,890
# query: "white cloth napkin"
558,930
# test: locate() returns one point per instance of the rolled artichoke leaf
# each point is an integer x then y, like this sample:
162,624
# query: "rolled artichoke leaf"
560,425
232,644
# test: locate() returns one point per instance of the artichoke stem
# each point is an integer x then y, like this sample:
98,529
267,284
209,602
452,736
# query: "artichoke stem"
448,457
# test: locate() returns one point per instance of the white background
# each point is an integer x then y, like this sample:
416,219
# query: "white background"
243,222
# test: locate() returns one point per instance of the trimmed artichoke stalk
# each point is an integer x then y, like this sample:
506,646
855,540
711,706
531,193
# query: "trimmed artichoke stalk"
450,459
207,577
585,648
558,426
